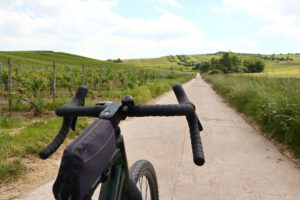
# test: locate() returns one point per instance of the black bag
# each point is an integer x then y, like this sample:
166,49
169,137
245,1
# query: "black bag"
84,160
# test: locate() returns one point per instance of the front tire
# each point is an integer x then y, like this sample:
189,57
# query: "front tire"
143,175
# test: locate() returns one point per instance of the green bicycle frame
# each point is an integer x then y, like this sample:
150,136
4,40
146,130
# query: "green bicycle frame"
116,177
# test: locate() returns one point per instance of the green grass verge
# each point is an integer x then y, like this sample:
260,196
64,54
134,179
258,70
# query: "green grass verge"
27,140
273,102
7,122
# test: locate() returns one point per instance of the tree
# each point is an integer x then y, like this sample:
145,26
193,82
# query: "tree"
203,67
229,63
254,65
215,63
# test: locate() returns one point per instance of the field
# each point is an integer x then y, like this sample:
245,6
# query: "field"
271,98
289,68
283,70
171,61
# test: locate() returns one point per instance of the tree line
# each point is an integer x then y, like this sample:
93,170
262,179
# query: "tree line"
230,63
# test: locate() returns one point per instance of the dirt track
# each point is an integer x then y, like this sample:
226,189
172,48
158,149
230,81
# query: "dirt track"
240,163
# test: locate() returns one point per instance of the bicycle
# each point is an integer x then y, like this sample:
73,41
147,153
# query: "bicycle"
106,163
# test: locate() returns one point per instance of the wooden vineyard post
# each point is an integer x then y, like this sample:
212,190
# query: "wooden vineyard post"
146,76
113,79
124,79
133,75
1,68
9,84
54,82
100,79
83,78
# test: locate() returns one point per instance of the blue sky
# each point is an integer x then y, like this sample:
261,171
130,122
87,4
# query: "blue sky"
150,28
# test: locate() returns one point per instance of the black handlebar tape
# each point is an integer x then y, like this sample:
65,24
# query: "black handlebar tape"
76,111
58,140
79,98
160,110
193,123
136,111
180,95
196,142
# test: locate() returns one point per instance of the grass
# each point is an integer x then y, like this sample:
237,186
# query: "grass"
28,140
9,122
285,69
273,102
46,58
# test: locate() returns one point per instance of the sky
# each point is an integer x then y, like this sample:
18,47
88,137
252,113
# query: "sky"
106,29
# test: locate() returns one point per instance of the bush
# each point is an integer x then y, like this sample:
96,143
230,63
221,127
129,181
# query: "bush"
228,63
203,67
215,71
254,65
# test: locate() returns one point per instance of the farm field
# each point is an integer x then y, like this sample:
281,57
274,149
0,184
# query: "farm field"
283,70
171,61
289,68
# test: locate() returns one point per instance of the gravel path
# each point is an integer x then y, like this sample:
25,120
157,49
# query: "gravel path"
240,162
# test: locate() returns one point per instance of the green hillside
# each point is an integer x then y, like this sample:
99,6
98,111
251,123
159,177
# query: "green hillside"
276,65
44,58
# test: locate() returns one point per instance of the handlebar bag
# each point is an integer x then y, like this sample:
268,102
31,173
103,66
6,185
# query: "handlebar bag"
84,160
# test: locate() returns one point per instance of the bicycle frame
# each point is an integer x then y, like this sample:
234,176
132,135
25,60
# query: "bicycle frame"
118,173
115,179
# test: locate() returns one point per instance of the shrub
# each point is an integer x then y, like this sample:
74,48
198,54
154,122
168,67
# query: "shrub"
214,71
203,67
253,65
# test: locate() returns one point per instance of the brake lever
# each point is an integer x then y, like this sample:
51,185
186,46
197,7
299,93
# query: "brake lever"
74,119
73,123
199,124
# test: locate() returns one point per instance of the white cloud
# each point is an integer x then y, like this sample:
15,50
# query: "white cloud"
279,19
92,28
173,3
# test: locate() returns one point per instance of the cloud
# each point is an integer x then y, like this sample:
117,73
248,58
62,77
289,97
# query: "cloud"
278,18
92,28
173,3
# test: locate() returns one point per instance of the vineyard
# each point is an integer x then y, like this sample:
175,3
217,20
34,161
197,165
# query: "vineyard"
45,85
35,82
